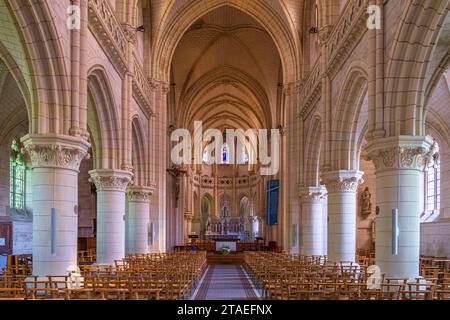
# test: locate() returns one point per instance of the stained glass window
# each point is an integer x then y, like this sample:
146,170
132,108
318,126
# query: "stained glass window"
225,154
432,183
17,178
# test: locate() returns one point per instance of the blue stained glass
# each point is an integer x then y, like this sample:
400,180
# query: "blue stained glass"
17,178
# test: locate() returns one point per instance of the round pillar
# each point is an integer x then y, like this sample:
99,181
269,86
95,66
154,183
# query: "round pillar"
399,164
255,226
341,187
138,219
55,163
187,225
311,224
111,185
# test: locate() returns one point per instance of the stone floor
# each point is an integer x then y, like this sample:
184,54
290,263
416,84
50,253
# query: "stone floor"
225,282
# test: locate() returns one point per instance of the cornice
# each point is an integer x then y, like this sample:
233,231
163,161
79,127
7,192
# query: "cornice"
109,33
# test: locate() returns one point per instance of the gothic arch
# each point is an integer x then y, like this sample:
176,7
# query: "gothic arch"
438,130
106,120
235,78
9,64
346,127
50,80
411,57
177,21
435,79
139,154
244,205
312,152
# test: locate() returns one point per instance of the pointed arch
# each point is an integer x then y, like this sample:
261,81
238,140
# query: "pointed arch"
139,152
408,65
175,25
8,62
346,127
49,75
102,117
312,152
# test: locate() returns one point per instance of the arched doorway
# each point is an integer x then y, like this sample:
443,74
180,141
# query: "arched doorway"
205,215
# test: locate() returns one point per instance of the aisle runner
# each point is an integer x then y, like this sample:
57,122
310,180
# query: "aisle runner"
225,282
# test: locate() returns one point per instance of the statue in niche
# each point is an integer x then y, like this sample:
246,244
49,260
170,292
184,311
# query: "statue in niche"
225,210
177,172
366,204
208,224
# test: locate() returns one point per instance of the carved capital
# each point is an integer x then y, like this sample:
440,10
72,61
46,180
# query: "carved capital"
127,167
398,153
292,88
130,33
139,194
55,151
342,181
324,34
188,216
160,87
282,130
312,193
109,33
110,180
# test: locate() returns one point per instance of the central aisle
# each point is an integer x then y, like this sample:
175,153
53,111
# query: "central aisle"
225,282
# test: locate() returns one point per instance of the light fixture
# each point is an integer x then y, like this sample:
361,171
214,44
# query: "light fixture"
313,30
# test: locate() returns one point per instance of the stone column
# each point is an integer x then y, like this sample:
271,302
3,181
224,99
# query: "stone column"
311,242
342,186
254,223
188,224
138,219
399,163
55,161
111,185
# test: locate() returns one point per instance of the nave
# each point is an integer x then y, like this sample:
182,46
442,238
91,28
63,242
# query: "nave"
226,282
140,129
246,276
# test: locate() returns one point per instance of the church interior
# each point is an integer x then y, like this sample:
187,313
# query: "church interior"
225,150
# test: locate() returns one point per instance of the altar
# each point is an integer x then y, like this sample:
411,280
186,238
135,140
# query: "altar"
230,244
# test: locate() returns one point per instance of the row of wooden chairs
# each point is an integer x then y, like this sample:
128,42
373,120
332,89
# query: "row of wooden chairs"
149,277
86,256
281,276
18,264
241,246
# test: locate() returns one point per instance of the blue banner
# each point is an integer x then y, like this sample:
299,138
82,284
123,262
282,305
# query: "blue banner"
272,196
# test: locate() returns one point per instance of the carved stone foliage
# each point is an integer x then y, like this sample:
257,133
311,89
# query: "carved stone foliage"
109,180
398,158
130,33
139,194
109,33
343,184
55,155
311,90
313,193
141,87
339,41
346,34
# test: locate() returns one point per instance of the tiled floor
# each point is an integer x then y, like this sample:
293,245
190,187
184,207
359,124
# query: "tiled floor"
225,282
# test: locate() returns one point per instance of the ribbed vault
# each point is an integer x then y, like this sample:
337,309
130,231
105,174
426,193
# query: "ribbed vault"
225,72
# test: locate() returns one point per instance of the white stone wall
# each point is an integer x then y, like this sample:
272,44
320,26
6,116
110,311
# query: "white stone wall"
22,237
435,239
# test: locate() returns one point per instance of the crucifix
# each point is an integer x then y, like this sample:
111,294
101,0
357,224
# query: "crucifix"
177,171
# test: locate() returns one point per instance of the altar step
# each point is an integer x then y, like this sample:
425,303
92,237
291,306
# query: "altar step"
218,258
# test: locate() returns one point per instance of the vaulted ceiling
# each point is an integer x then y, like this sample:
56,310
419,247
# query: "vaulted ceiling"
226,70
